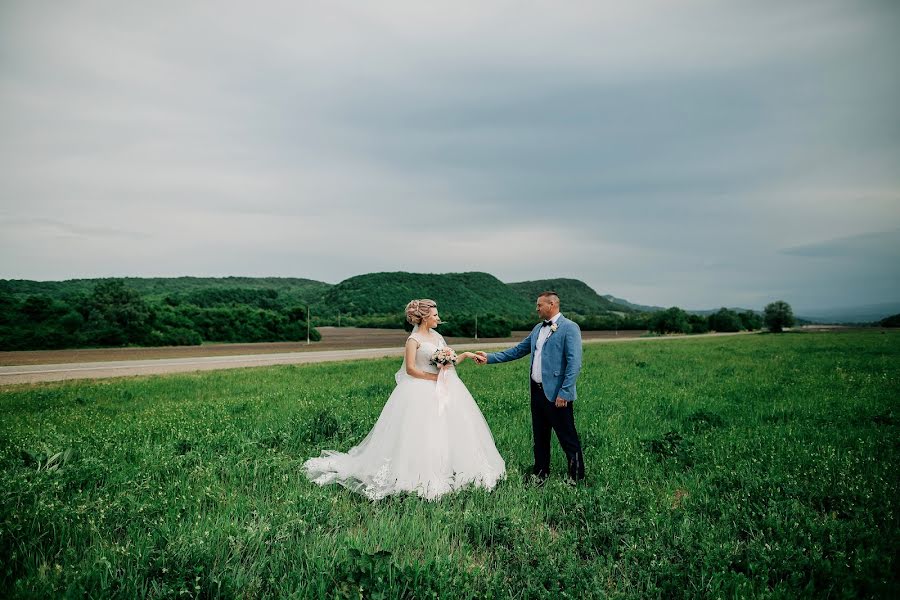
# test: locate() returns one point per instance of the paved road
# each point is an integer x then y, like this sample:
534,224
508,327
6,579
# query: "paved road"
333,338
19,374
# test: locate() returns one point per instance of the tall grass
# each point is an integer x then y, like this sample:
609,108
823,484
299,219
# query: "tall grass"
750,466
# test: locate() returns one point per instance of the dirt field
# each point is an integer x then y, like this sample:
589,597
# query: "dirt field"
333,338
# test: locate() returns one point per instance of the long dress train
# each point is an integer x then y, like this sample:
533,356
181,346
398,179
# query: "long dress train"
431,438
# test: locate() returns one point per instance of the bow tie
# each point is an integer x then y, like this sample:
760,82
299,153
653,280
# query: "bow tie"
546,324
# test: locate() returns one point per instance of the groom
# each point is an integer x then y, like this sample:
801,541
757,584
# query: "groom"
555,348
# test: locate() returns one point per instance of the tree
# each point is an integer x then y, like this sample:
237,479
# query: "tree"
297,314
38,307
778,315
750,320
117,315
672,320
891,321
463,325
725,320
698,323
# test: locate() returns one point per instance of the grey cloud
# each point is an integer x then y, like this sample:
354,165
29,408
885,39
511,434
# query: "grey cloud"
865,246
674,151
67,229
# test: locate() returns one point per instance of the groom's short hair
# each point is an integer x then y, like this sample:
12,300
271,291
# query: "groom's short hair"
551,295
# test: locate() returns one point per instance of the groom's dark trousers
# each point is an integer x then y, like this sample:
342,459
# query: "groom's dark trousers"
546,416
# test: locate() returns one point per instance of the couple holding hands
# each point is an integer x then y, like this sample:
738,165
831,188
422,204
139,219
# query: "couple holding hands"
431,437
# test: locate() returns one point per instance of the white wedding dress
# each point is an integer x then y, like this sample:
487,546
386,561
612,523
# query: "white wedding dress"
431,438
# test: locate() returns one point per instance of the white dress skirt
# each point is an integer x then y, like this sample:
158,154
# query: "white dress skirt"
430,439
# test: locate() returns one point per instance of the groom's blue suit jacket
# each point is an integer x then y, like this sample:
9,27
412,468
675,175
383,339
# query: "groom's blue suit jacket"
560,358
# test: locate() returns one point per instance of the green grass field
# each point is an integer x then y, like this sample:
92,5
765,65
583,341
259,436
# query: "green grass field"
749,466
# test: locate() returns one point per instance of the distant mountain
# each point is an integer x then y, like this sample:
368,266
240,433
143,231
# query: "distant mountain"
575,295
291,289
386,293
380,293
708,311
631,305
867,313
692,311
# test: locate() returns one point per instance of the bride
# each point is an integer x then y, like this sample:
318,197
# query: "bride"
430,439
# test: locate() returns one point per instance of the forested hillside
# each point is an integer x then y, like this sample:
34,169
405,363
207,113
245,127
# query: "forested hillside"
291,290
191,310
469,293
575,296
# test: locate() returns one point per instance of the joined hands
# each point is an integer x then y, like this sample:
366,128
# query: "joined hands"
474,356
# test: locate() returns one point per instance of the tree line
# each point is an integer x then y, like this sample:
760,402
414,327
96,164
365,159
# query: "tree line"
113,314
776,317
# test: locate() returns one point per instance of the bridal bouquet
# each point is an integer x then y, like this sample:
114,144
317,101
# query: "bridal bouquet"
443,357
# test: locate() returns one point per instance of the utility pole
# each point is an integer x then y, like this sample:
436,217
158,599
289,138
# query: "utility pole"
476,326
339,318
308,319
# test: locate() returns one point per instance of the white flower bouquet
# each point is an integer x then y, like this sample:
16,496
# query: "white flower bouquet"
443,357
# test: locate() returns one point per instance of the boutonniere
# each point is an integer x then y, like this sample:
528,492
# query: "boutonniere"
553,328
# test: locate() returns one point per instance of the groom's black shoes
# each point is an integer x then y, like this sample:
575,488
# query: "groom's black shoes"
539,472
535,480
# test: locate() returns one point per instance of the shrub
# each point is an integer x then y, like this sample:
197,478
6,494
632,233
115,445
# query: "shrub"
177,336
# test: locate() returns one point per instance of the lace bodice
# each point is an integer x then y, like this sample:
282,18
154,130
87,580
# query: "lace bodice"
426,350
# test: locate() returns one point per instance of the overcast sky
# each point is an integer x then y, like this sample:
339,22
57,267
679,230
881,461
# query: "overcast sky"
672,152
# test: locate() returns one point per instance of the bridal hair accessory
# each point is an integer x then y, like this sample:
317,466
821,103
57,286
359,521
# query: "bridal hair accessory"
417,310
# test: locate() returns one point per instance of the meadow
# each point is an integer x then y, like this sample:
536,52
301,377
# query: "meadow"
751,466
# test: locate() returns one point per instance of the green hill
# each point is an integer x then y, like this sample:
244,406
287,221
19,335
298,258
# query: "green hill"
382,293
372,293
190,310
632,305
574,295
291,290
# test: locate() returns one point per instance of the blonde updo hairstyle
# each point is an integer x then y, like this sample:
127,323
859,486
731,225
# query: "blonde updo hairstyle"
417,310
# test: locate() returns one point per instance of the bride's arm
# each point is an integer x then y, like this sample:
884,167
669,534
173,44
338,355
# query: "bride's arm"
411,370
464,356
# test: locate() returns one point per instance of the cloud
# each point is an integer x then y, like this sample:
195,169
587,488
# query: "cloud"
35,227
662,154
866,246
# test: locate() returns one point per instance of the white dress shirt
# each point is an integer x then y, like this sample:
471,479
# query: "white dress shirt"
538,348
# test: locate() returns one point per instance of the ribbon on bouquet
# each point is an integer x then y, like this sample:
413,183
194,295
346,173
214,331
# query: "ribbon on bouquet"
443,391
